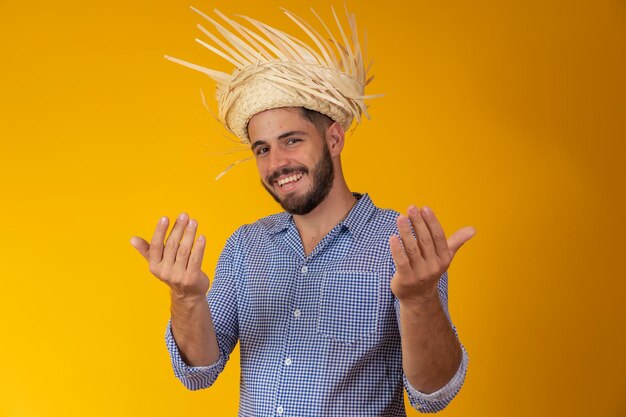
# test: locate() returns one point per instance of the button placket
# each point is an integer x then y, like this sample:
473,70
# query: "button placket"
297,313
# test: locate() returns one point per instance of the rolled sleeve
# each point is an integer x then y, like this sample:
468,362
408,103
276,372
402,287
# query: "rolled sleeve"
438,400
192,377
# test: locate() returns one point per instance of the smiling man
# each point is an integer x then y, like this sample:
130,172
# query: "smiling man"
278,175
338,306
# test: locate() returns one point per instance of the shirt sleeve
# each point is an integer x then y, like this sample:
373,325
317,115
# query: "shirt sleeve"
438,400
192,377
222,300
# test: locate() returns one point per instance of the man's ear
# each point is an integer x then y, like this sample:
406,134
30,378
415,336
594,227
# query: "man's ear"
335,138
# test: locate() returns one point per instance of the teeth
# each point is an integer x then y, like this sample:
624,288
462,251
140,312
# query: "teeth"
284,181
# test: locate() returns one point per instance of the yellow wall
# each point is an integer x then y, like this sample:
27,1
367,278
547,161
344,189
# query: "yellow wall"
508,116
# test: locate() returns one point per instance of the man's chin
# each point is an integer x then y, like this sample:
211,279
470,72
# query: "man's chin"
291,201
282,198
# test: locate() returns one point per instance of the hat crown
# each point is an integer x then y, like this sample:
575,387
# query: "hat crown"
274,69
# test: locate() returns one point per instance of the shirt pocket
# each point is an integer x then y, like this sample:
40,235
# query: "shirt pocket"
348,306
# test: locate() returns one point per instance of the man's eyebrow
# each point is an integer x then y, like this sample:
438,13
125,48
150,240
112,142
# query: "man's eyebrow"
258,143
293,132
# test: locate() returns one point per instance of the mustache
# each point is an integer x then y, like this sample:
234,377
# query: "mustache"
286,171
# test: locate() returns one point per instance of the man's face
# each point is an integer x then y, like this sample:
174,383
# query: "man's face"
293,159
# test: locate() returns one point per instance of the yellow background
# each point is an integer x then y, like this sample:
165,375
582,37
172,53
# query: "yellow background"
508,116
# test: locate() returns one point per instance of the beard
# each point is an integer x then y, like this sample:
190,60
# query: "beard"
322,176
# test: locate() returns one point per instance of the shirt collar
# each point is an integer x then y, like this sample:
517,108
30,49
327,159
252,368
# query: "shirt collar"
354,222
360,214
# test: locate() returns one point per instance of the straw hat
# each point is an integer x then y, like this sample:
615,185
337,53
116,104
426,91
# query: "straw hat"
274,69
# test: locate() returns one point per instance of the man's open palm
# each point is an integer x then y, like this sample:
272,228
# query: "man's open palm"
176,262
421,259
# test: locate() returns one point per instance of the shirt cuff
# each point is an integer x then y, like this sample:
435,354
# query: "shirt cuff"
438,400
192,377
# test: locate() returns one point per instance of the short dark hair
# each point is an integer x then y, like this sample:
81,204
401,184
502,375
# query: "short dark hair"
321,121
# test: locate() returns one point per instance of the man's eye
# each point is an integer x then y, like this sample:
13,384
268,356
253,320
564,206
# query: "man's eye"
261,150
293,140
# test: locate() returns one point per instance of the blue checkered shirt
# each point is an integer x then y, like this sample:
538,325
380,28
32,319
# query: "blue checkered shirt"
319,334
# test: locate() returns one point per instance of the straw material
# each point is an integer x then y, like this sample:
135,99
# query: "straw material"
274,69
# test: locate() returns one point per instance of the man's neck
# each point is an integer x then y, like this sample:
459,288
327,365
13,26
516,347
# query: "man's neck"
321,220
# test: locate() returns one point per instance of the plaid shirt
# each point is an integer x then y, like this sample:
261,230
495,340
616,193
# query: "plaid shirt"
319,334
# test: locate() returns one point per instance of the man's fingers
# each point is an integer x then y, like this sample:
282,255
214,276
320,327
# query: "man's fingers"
173,240
156,244
403,266
142,246
408,241
195,260
422,234
436,231
186,243
460,237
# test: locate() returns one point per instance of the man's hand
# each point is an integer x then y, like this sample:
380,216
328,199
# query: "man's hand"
175,262
425,257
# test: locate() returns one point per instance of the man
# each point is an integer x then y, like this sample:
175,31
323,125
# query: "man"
337,305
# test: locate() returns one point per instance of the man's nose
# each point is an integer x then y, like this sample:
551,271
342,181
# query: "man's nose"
278,159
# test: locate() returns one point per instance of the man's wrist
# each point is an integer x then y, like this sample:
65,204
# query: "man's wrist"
421,303
187,302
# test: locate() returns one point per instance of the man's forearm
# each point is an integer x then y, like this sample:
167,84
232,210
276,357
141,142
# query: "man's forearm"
193,331
431,353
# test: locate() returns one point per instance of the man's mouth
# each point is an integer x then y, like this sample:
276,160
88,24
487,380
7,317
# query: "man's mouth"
288,182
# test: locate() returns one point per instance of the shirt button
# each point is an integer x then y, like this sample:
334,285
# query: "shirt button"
296,313
288,361
279,409
304,269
